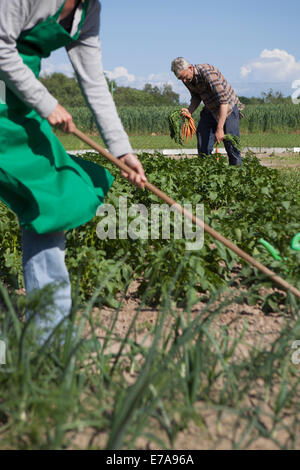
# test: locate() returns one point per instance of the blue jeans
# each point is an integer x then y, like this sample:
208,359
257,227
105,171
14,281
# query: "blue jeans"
206,134
43,264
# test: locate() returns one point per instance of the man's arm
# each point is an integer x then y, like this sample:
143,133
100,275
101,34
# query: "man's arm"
17,76
194,103
86,58
222,118
215,84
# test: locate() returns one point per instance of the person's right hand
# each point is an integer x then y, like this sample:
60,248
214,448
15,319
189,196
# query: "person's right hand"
184,111
137,176
61,117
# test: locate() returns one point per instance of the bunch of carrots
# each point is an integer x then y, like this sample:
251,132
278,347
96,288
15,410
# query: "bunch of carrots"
188,128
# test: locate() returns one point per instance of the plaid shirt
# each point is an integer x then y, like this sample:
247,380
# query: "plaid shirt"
209,86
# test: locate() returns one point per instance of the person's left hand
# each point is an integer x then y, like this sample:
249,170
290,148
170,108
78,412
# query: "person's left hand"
137,176
219,135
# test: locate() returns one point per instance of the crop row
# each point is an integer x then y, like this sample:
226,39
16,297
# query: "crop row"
104,387
246,205
147,120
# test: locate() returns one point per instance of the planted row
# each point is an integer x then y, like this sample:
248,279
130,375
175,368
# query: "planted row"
243,204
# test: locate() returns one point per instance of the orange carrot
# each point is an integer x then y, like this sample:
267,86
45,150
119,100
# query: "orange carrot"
188,128
188,133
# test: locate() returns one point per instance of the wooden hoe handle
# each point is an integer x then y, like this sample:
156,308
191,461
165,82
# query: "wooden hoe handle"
182,210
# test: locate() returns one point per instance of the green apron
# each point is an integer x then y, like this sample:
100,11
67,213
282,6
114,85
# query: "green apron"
48,189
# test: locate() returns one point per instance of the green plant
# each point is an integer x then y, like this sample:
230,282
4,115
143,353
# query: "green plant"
123,385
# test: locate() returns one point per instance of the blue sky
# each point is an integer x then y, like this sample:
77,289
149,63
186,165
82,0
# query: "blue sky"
255,44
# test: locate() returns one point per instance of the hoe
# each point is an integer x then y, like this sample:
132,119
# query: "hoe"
217,236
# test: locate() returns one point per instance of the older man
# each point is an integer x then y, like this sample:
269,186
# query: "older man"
221,112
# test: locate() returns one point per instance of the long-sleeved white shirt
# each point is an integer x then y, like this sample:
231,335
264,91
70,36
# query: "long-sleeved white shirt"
17,16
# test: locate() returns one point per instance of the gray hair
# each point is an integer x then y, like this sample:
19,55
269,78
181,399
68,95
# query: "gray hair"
178,65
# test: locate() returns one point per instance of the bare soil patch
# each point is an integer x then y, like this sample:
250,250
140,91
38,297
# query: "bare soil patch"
212,432
261,328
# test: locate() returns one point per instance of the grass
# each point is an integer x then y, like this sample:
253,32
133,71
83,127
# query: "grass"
155,142
271,140
280,162
54,395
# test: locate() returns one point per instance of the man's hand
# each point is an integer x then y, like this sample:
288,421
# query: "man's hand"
184,111
61,117
219,135
137,176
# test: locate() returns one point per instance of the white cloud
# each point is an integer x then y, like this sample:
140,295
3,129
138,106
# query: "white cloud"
59,63
121,75
124,78
49,67
273,65
159,79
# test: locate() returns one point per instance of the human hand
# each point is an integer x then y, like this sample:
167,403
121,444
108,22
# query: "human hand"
61,117
219,135
184,111
137,176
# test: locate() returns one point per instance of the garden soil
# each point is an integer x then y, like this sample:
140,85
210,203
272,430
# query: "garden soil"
261,328
211,433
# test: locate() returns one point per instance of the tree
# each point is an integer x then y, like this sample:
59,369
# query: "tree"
274,97
169,95
252,100
270,97
163,96
65,89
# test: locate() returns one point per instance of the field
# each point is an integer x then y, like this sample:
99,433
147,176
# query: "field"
148,119
174,348
262,126
160,142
